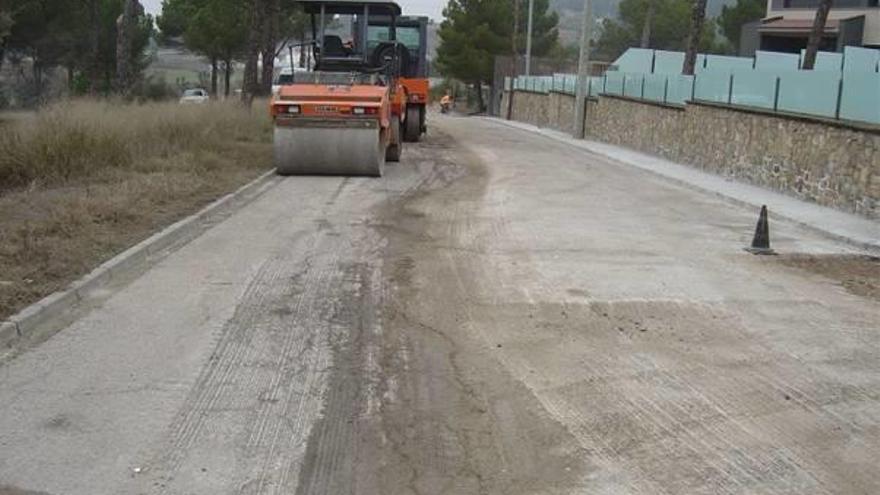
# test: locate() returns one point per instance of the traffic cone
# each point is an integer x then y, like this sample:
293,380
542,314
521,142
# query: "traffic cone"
761,241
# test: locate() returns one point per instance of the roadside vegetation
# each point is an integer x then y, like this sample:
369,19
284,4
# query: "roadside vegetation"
83,180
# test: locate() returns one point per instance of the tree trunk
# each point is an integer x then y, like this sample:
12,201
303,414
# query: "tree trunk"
124,28
270,42
698,16
37,71
94,62
251,83
816,34
646,27
2,52
227,76
214,70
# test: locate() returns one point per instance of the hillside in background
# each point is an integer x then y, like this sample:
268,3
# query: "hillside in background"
570,10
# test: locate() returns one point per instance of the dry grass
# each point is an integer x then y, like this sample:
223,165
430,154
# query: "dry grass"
82,181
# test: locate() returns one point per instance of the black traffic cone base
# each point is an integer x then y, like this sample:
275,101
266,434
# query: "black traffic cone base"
760,251
761,241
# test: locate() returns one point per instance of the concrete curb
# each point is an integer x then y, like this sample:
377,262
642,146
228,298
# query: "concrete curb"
37,317
868,244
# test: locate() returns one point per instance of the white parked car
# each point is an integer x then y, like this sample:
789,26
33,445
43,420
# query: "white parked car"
197,95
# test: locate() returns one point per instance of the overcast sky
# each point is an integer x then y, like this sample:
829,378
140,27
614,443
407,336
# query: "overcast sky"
430,8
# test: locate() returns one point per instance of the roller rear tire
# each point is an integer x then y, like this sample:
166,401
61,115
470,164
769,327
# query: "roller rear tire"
392,153
413,125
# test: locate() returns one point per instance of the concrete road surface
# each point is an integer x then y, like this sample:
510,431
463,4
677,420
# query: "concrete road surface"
500,314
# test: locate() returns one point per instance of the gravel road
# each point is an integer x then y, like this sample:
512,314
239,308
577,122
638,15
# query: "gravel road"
499,314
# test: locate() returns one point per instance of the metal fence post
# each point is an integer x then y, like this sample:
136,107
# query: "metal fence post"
666,90
776,95
839,97
730,90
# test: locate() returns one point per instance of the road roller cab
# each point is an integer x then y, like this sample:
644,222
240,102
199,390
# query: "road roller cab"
412,33
344,117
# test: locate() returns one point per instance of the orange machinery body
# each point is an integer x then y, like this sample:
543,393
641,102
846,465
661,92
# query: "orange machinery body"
416,90
358,101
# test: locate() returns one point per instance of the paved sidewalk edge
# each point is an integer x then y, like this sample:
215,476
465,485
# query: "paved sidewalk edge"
124,265
869,243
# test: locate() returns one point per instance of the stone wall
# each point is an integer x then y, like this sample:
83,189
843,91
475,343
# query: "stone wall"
555,110
825,162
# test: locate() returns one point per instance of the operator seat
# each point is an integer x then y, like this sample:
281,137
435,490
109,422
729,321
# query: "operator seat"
333,46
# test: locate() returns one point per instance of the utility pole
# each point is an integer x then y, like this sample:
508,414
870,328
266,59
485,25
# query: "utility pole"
581,95
529,39
514,55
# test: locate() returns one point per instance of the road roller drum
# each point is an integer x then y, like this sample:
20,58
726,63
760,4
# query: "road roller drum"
329,147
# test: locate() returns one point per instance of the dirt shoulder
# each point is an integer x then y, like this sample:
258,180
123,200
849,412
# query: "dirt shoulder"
858,274
109,178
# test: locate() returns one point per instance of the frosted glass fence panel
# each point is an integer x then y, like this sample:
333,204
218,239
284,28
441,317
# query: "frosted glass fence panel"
856,59
712,86
753,89
725,63
635,60
537,84
776,61
826,61
596,84
809,92
559,83
632,85
614,83
570,85
655,87
668,62
679,89
860,99
540,84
